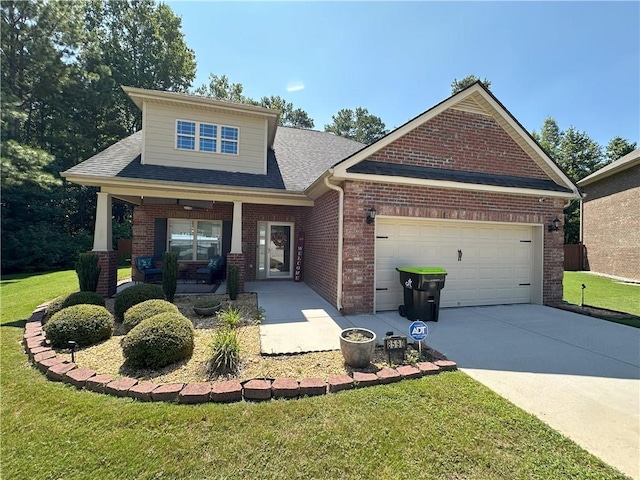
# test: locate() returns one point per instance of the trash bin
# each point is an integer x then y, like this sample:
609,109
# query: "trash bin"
422,287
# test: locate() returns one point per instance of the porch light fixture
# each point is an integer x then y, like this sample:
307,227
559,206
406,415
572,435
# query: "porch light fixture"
554,226
371,215
188,207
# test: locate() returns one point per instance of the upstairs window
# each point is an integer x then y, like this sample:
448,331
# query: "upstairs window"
186,135
206,137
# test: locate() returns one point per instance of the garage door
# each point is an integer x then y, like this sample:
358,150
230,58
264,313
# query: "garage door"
487,264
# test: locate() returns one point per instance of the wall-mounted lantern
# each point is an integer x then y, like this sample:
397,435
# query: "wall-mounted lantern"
371,216
554,226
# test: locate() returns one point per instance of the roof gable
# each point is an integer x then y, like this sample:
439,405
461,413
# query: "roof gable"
479,102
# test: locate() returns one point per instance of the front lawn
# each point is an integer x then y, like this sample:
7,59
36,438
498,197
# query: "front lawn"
444,426
603,292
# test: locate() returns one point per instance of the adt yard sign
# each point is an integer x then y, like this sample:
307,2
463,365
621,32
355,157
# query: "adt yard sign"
418,330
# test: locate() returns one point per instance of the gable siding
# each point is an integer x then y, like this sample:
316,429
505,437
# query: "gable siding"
465,141
160,140
611,224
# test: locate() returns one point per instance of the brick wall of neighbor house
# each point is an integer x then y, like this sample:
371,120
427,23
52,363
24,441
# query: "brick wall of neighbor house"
459,140
611,224
321,247
424,202
144,225
254,213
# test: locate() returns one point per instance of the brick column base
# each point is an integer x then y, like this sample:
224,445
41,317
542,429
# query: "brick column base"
238,260
108,280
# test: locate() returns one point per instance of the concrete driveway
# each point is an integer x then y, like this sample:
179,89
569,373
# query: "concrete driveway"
578,374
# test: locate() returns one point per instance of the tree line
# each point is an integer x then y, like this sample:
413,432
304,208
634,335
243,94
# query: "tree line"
62,65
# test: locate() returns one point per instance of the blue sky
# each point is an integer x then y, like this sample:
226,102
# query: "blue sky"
578,62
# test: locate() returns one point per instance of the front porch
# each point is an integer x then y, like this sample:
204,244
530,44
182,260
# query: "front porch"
258,238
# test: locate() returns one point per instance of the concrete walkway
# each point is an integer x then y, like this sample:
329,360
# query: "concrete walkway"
578,374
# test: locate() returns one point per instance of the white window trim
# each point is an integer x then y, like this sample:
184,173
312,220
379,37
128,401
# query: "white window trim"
218,138
194,223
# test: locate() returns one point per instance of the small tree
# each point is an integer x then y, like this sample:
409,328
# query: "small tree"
170,274
88,272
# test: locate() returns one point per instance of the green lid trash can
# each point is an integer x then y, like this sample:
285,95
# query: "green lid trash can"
422,287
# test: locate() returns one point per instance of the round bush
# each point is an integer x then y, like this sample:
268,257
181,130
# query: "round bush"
79,298
159,341
133,295
84,324
146,309
54,307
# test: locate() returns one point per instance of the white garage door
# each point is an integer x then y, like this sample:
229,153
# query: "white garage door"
487,264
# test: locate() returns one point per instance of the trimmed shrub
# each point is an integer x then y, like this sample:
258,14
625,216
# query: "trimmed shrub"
88,271
83,298
225,352
54,307
170,274
84,324
146,309
159,341
134,295
233,282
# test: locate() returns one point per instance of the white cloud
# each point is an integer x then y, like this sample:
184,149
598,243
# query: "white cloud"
295,86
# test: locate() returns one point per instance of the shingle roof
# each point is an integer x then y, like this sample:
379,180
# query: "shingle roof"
298,159
620,165
430,173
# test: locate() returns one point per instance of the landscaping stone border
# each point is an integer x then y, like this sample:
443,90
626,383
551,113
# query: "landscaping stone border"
61,370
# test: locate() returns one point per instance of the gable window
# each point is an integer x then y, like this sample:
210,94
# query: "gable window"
206,137
194,239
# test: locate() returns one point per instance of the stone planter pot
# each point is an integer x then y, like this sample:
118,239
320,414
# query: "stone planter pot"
357,353
206,311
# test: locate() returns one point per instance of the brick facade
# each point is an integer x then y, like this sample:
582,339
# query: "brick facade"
434,203
611,224
464,141
144,227
108,279
321,247
453,140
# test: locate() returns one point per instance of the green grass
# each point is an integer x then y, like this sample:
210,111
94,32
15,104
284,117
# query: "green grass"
443,427
604,293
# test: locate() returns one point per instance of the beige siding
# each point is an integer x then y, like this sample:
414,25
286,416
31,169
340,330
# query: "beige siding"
160,140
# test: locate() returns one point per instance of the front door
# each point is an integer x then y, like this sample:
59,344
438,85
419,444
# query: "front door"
275,250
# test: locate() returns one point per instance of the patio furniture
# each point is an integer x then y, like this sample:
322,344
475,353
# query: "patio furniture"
148,270
213,271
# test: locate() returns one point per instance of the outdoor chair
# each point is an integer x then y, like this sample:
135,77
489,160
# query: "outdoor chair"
147,270
213,271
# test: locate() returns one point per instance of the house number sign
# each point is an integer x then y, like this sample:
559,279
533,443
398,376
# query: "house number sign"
395,346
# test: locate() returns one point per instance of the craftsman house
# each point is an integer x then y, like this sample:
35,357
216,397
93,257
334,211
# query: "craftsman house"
461,186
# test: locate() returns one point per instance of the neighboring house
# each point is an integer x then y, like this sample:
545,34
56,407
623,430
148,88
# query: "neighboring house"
461,186
611,218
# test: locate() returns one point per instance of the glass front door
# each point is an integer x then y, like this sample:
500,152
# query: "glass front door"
275,250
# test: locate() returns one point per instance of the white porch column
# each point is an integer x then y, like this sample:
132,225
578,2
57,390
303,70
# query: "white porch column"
102,238
236,230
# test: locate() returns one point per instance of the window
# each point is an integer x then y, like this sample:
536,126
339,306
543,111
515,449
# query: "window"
206,137
195,239
186,135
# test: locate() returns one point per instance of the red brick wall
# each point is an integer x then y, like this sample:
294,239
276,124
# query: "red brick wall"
108,280
611,224
459,140
321,247
144,226
423,202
